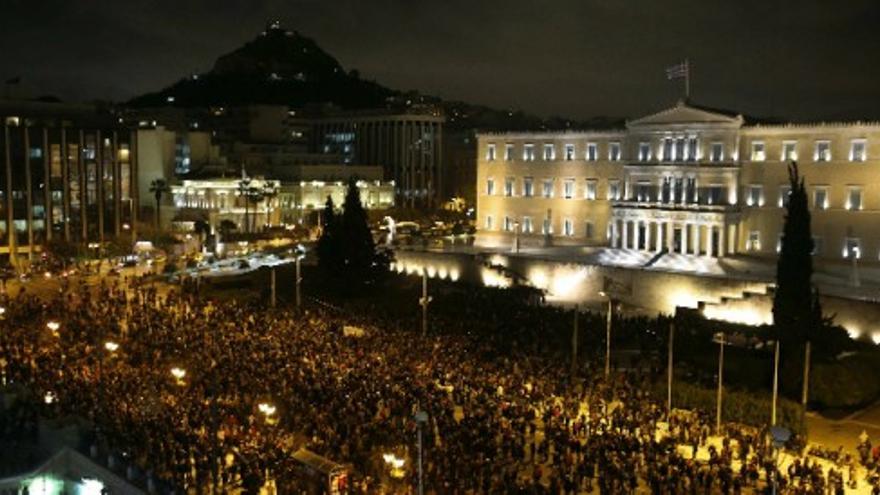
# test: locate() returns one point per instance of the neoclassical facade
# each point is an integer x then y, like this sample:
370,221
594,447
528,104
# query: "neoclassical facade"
686,180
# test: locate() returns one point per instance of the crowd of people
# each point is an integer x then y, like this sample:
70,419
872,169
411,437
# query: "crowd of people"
217,395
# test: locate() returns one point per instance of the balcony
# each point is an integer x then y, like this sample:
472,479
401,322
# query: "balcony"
701,205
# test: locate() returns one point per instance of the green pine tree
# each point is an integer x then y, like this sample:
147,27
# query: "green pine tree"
329,248
363,264
793,301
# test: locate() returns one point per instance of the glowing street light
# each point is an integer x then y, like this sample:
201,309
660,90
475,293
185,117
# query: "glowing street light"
268,411
53,325
178,374
395,465
111,346
49,398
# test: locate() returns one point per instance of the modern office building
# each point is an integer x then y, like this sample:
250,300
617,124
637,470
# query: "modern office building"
69,174
687,179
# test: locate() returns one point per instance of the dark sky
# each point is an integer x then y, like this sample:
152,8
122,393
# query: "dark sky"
577,58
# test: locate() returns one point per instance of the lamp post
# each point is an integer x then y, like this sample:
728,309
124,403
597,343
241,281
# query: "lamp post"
300,254
424,301
608,317
719,339
421,419
775,383
574,343
272,300
669,371
780,435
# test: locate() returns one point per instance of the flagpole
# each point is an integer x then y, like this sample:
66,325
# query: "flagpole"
687,79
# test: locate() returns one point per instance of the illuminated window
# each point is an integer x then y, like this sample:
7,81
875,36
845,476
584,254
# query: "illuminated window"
614,151
569,152
823,151
789,151
509,186
490,153
644,151
548,188
643,190
854,198
717,154
529,152
508,224
590,189
784,194
528,187
508,152
488,222
668,149
12,121
820,197
527,225
857,150
36,153
755,196
692,149
546,227
754,241
490,186
592,152
567,227
549,152
758,153
613,189
568,189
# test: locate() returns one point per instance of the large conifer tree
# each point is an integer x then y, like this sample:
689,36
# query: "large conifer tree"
793,302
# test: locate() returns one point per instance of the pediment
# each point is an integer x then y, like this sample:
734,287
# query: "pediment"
682,113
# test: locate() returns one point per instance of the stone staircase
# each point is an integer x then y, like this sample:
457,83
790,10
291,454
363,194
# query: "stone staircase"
753,306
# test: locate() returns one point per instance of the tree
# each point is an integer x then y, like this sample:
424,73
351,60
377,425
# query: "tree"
226,227
202,229
329,248
244,187
159,187
792,303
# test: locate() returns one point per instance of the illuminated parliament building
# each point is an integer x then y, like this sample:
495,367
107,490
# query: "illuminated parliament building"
686,180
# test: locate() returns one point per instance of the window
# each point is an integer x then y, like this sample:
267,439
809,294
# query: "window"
546,227
754,241
490,152
614,151
817,246
569,152
508,224
590,189
667,149
529,152
643,190
568,189
527,225
592,152
823,151
717,154
784,193
488,222
567,227
613,189
589,230
509,186
820,198
548,188
854,198
36,153
857,150
490,187
755,196
852,247
644,151
549,152
692,148
758,153
528,187
789,151
508,152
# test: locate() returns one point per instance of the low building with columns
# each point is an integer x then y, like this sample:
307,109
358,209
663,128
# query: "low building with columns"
687,180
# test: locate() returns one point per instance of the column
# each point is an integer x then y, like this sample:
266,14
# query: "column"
670,239
696,238
29,204
65,187
709,241
47,190
722,240
625,244
615,234
648,225
683,248
734,239
658,240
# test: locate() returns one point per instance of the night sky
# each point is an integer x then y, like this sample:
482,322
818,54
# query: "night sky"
802,59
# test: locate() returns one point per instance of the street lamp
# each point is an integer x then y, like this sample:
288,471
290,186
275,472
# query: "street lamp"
608,317
421,418
111,346
53,326
299,254
178,374
268,411
719,339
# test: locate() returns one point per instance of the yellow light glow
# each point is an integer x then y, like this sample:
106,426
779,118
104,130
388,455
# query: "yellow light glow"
111,346
491,278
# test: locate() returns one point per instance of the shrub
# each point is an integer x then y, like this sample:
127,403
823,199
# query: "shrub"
850,382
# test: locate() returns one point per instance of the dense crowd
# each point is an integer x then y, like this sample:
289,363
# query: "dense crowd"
499,421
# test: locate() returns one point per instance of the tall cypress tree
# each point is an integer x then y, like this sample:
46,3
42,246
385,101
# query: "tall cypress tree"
793,304
362,263
330,248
